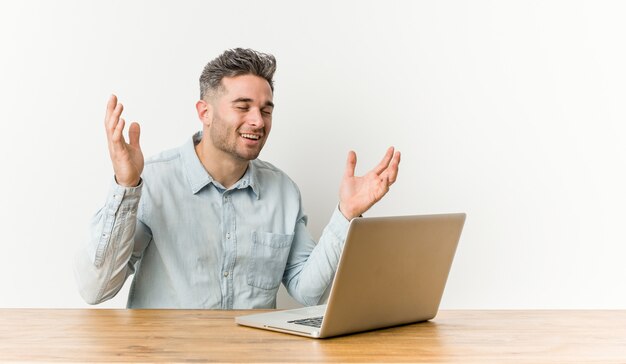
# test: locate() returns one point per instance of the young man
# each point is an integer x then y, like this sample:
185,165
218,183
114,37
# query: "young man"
208,225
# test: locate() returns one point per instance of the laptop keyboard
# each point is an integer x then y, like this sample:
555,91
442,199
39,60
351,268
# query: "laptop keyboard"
312,321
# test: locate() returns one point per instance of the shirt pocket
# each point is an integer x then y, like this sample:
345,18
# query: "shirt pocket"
268,259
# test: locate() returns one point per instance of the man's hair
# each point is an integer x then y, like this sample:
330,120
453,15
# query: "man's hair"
236,62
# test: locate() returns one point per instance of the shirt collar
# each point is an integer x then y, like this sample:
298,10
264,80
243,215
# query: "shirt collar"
250,179
198,177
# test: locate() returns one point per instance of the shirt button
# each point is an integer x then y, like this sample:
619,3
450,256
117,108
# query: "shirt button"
227,235
225,274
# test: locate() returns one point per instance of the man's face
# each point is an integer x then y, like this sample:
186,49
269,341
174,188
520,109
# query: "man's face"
241,117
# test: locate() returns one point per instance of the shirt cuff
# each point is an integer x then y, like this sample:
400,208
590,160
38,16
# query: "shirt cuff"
338,224
120,193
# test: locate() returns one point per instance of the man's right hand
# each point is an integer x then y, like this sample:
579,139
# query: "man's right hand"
127,158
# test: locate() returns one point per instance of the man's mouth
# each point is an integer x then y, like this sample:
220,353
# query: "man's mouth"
251,136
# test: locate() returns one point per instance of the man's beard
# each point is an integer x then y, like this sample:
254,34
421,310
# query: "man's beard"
221,137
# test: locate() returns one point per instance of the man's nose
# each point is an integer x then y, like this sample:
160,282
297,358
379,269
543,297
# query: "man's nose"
255,118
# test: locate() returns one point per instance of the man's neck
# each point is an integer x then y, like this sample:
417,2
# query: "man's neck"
223,167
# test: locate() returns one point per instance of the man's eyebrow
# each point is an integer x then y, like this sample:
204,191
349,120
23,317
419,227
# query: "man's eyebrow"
247,99
242,99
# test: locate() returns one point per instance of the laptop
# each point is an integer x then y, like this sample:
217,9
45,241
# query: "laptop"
392,271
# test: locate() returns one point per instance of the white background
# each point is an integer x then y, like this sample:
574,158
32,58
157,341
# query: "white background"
510,111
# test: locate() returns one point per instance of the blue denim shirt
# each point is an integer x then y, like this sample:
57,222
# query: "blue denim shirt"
191,243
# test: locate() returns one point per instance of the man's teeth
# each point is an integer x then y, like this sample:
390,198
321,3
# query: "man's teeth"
251,136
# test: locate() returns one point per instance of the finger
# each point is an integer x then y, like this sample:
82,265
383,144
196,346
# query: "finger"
110,107
386,183
114,119
133,134
350,164
385,162
117,138
392,171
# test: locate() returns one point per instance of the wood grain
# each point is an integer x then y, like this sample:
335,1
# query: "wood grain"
97,335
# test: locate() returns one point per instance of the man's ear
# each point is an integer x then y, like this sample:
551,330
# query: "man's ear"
205,112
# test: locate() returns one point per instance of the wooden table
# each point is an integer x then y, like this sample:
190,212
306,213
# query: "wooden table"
96,335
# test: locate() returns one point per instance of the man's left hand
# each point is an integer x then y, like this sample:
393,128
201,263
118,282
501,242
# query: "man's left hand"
358,194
